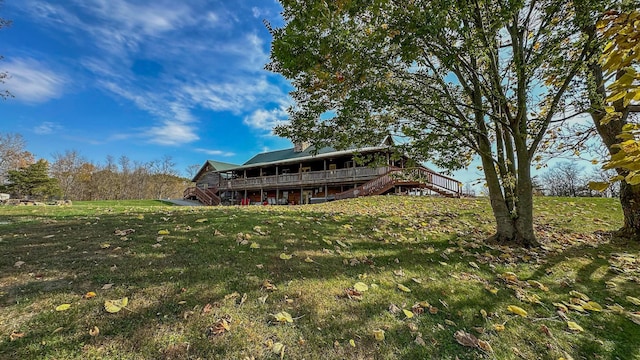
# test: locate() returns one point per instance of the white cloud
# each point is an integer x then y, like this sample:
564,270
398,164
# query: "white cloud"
215,152
266,119
46,128
32,82
172,133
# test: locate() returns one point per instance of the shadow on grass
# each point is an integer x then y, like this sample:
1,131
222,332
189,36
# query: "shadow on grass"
170,280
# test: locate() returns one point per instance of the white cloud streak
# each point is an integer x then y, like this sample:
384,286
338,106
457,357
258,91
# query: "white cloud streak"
31,81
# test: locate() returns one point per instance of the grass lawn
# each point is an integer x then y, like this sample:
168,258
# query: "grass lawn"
370,278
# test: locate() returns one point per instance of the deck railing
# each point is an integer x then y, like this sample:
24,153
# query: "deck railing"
309,178
205,196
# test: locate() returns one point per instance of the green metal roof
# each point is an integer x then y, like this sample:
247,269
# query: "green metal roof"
286,154
221,166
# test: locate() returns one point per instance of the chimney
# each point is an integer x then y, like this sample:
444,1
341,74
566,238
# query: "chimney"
301,146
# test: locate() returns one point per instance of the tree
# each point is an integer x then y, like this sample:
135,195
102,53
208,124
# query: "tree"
4,94
66,168
613,92
564,179
13,155
453,78
33,181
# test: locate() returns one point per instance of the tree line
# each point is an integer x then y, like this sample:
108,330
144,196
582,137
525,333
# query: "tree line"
71,176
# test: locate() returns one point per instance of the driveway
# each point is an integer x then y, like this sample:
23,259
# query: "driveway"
181,202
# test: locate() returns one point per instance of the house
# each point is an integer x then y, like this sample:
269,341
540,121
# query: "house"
302,175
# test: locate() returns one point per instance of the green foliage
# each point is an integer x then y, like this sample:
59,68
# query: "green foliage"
33,181
451,78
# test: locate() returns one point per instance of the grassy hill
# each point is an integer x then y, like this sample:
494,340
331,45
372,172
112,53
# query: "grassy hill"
371,278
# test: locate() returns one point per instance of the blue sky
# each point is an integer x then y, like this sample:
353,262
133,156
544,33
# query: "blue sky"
142,78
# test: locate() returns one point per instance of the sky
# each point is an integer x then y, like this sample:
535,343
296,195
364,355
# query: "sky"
143,79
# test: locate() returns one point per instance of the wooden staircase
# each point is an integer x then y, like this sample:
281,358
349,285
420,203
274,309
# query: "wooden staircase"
416,177
206,196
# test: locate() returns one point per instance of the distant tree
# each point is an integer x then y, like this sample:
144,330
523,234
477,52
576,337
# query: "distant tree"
564,179
192,170
468,190
4,94
163,173
66,168
33,181
13,155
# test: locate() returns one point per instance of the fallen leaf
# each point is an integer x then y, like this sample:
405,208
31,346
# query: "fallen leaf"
308,260
449,322
254,245
592,306
407,313
105,246
484,345
263,299
579,295
378,334
403,288
15,335
94,331
474,265
278,349
360,286
113,306
352,343
284,256
63,307
89,295
202,220
635,317
19,264
498,327
574,326
465,339
517,310
163,232
107,286
283,317
633,300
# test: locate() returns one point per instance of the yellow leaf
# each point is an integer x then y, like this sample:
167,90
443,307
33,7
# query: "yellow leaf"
113,306
378,334
254,245
561,307
63,307
283,317
278,349
635,317
498,327
360,286
94,331
407,313
579,295
284,256
517,310
403,288
89,295
633,300
163,232
308,260
574,327
105,246
538,284
592,306
202,220
352,343
598,185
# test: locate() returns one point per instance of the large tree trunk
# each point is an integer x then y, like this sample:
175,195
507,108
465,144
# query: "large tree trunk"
629,195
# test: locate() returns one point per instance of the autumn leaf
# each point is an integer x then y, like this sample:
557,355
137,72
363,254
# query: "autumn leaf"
484,345
94,331
378,334
278,349
114,306
63,307
106,286
163,232
635,317
283,317
254,245
574,326
360,286
202,220
498,327
407,313
403,288
633,300
308,260
15,335
517,310
89,295
592,306
579,295
465,339
284,256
